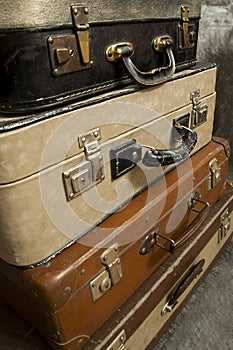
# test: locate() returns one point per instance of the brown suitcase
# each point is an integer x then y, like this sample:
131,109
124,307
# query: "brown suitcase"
141,321
96,275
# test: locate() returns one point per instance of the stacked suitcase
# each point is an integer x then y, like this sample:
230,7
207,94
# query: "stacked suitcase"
112,186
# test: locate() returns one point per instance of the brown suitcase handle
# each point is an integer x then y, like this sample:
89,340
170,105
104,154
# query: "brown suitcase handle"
153,238
183,285
123,51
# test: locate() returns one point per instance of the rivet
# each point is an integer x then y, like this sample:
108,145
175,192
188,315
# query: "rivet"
71,52
102,177
55,72
67,290
122,338
86,10
75,10
71,195
82,180
83,139
82,272
96,134
50,40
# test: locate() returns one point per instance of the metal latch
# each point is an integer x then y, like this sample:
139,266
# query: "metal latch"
225,224
71,53
199,112
89,172
215,174
118,343
187,31
109,277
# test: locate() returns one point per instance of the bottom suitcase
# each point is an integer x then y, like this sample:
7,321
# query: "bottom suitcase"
141,321
60,297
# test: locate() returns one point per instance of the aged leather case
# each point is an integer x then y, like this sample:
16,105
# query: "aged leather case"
68,298
55,52
141,321
54,170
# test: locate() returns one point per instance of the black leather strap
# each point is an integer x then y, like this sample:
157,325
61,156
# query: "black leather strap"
156,158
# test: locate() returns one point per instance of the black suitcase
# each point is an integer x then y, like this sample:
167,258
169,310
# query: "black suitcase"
57,52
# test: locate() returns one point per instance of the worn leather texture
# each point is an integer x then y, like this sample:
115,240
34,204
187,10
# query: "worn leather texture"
21,14
28,83
44,289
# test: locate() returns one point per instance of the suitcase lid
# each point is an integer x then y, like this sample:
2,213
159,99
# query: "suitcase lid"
21,14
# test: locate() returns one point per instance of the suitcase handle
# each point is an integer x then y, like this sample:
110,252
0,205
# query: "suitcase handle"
182,286
153,238
123,51
156,158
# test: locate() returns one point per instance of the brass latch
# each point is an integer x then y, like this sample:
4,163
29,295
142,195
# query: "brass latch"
215,174
71,53
187,31
225,224
109,277
90,171
199,112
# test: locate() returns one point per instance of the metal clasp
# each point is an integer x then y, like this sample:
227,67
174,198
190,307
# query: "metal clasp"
187,31
225,225
71,53
89,172
109,277
199,112
215,174
119,342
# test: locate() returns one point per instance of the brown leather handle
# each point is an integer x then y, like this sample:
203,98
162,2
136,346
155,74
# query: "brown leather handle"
153,238
183,285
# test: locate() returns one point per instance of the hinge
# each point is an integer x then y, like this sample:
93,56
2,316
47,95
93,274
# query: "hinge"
119,342
214,175
199,112
225,224
110,276
90,171
187,31
71,53
80,20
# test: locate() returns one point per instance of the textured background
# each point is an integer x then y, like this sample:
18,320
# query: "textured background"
216,45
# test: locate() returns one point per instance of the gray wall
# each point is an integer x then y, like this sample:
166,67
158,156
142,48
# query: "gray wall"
216,45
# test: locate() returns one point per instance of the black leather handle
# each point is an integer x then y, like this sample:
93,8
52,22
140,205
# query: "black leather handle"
124,51
156,158
183,285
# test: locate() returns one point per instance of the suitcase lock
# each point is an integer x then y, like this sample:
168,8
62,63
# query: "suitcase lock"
89,172
225,225
109,277
199,112
215,174
72,53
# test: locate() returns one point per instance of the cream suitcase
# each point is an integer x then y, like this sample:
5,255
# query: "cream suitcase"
65,171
